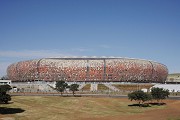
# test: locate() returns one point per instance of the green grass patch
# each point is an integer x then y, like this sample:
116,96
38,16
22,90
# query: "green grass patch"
174,118
86,87
102,87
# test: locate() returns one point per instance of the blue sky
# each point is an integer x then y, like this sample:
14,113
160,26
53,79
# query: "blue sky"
145,29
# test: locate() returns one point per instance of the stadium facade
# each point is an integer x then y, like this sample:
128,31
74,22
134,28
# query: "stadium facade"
88,70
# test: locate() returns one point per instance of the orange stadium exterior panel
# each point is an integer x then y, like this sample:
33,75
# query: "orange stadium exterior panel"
88,70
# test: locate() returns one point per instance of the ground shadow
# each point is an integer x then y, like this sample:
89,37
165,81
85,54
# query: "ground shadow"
5,110
71,96
139,105
157,103
147,104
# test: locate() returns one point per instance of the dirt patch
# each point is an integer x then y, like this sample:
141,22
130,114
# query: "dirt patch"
7,118
170,112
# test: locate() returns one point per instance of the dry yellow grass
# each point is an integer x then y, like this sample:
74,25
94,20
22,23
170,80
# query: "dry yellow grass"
74,108
86,87
102,87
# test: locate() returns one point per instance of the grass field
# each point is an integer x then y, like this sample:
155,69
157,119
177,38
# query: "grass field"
84,108
102,87
86,87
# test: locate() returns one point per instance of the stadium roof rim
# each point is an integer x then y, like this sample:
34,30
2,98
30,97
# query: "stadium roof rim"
99,58
93,58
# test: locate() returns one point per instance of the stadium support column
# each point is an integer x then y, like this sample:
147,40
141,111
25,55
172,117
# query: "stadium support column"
152,72
87,71
38,70
17,71
104,74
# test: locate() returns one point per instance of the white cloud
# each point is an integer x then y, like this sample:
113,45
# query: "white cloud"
9,57
33,53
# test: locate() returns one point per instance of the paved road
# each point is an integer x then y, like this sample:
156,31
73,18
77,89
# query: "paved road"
174,97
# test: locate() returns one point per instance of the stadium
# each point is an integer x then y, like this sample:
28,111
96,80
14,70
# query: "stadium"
88,70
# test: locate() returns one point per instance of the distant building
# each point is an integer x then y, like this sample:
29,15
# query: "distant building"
4,82
173,78
170,87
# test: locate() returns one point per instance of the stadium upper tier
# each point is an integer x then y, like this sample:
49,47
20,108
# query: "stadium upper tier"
88,69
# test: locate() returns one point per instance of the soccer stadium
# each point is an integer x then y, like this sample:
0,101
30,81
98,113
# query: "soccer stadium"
88,70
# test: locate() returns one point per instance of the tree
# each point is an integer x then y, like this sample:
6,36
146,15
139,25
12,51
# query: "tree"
5,88
5,77
159,94
139,96
61,86
73,88
4,97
